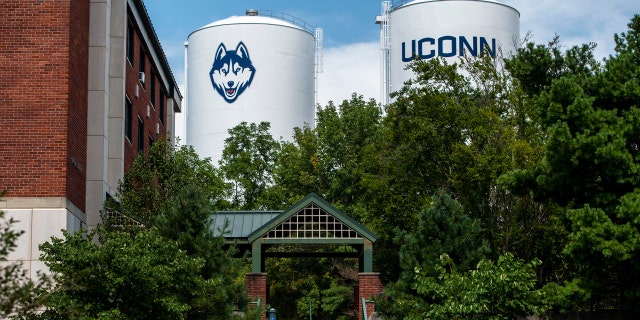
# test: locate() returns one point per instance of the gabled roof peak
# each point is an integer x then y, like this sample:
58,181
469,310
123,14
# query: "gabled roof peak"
327,223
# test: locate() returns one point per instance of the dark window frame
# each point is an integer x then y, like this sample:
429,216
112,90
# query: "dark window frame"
141,135
128,118
163,103
130,42
142,64
152,88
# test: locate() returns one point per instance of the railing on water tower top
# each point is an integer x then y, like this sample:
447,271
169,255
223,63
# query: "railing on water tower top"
397,3
288,18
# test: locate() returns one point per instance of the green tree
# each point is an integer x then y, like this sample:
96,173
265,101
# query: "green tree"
123,277
247,163
503,290
432,286
297,170
311,294
327,282
442,227
458,128
337,302
591,161
345,134
151,185
155,250
175,191
19,294
455,127
328,297
420,130
331,160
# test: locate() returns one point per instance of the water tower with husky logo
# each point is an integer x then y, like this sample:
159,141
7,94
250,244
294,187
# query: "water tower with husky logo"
449,29
252,68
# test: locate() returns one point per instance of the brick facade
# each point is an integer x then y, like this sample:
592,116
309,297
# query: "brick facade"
78,100
43,67
256,286
64,79
369,286
139,93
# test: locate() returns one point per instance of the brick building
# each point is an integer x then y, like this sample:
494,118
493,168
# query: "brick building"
84,87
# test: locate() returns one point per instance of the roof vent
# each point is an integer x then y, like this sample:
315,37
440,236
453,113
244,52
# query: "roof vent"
252,12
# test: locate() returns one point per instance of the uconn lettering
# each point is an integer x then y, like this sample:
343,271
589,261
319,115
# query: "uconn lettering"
448,46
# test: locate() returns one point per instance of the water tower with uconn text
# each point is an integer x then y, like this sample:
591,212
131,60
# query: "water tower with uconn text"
449,29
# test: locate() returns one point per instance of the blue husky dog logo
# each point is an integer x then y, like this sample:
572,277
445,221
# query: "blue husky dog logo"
232,71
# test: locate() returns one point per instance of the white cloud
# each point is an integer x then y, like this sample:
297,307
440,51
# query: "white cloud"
576,21
348,69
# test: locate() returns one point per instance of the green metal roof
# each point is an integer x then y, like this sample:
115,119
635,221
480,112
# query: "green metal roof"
241,223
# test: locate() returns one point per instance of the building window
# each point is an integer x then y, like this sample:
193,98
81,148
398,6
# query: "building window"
152,83
163,102
142,65
140,135
130,36
128,115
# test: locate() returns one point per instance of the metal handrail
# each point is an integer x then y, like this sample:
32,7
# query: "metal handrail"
288,18
397,3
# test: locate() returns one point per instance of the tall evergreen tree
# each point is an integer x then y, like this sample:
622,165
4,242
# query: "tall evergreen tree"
591,162
433,286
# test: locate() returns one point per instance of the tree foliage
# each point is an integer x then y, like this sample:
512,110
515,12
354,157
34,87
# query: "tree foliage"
442,227
332,158
346,133
156,255
297,169
432,286
591,161
325,297
421,129
20,295
457,128
247,163
503,290
152,184
123,277
326,282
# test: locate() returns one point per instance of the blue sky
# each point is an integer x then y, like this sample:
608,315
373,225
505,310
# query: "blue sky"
344,21
351,37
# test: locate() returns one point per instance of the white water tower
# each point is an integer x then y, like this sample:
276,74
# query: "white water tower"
441,28
252,68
